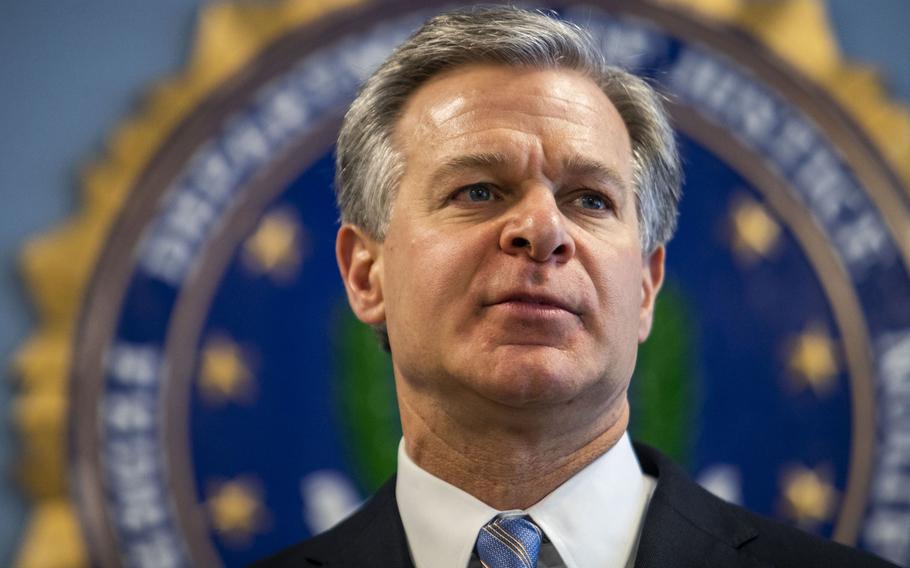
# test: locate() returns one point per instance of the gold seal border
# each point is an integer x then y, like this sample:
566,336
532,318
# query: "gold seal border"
57,266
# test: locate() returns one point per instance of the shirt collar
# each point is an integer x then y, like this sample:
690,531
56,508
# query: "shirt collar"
440,521
592,519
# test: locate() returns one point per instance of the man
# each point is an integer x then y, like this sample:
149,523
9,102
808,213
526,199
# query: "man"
506,198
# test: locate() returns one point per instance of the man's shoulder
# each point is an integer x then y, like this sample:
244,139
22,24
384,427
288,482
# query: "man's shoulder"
683,512
372,536
780,542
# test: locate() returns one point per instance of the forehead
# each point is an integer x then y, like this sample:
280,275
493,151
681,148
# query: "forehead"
555,114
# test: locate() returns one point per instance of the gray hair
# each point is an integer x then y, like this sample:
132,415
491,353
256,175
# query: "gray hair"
369,167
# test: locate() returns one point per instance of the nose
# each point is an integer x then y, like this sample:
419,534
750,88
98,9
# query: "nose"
536,227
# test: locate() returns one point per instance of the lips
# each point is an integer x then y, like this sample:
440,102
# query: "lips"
541,300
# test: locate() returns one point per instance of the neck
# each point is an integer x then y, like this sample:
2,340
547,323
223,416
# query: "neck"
511,463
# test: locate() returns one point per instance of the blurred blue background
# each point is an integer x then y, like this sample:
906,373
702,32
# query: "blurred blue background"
71,71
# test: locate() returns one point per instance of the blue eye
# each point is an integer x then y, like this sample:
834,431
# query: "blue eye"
593,201
476,193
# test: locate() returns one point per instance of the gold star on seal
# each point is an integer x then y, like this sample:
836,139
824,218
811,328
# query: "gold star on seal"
754,233
223,374
275,246
812,360
808,496
236,510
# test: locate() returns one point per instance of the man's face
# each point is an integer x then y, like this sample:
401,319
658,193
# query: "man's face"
512,270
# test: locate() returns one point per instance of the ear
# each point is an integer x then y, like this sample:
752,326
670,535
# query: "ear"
652,277
360,263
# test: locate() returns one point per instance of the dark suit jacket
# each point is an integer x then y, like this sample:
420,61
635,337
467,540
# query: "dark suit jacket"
685,526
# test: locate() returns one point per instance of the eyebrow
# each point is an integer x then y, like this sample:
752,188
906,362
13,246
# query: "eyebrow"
458,164
575,166
581,166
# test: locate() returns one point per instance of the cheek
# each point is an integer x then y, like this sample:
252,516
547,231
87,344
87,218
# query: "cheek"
617,281
430,274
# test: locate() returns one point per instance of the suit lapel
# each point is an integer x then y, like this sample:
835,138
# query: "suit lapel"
384,542
686,527
372,538
671,539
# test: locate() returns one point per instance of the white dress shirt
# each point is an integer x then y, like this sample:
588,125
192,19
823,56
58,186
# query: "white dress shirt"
593,520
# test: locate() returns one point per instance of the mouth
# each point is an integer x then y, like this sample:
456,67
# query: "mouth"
540,302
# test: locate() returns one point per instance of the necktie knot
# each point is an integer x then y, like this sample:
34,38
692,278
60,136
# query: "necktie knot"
509,542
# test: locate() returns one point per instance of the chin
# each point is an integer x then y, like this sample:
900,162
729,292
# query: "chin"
528,380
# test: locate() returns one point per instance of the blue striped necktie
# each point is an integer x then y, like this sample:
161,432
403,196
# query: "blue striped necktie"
509,542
